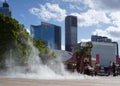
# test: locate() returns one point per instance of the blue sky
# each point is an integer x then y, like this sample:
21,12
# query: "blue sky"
101,17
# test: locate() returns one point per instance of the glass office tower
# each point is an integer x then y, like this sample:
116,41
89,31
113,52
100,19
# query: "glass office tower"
49,33
70,32
5,9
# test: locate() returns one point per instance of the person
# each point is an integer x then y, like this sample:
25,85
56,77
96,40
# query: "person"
88,69
78,66
95,69
110,68
114,69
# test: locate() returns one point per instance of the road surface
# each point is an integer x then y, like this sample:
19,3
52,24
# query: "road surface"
102,81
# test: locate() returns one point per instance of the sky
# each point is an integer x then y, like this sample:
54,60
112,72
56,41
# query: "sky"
101,17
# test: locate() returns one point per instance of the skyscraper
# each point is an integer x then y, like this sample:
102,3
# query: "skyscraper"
5,9
70,32
49,33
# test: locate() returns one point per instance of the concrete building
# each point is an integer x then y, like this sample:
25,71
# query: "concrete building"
70,32
49,33
107,52
103,50
5,9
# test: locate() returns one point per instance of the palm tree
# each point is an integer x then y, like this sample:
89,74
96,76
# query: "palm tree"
82,52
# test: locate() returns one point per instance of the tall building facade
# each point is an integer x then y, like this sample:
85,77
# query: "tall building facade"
105,49
49,33
96,38
107,52
70,32
5,9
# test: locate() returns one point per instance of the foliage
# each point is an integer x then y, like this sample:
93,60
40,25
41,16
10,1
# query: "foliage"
40,44
84,50
14,43
45,53
13,36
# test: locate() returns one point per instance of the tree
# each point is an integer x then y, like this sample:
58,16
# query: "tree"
82,52
13,36
14,42
45,53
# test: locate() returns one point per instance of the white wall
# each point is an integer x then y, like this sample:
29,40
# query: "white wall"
107,52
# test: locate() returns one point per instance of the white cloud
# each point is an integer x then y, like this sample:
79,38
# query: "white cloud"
108,4
49,11
111,8
103,4
111,32
89,3
91,17
84,40
101,32
115,17
74,7
63,47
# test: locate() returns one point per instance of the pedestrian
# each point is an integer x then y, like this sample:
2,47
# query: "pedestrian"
114,69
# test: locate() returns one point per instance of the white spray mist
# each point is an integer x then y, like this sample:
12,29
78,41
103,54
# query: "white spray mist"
34,69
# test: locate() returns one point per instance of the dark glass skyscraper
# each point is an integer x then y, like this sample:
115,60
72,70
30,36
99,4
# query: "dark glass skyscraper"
70,32
49,33
5,9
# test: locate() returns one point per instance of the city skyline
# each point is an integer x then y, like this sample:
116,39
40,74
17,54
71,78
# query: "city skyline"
94,17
